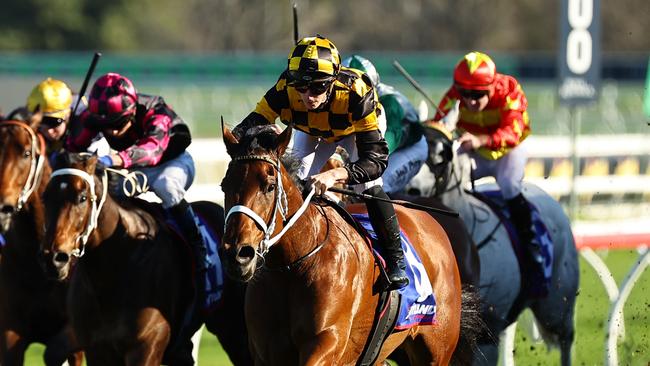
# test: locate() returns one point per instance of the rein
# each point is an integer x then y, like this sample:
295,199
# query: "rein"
36,165
95,208
281,205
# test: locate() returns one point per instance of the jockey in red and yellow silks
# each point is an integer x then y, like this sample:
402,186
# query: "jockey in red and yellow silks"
488,110
504,120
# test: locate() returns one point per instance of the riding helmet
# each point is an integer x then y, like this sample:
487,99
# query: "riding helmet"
475,71
52,97
313,59
113,98
363,64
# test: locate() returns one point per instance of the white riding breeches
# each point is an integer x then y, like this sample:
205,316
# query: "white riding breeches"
313,153
169,180
508,170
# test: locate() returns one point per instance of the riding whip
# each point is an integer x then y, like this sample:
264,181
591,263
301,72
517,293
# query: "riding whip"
416,85
295,23
82,91
397,202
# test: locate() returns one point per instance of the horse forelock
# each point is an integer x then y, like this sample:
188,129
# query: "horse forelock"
262,141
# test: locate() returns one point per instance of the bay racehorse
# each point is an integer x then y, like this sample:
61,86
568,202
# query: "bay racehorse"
32,308
502,289
130,279
310,298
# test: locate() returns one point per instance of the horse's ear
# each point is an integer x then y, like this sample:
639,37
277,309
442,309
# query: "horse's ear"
283,140
230,140
35,119
91,163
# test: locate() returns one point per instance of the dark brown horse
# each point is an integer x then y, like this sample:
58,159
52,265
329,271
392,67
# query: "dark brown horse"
312,302
32,308
130,280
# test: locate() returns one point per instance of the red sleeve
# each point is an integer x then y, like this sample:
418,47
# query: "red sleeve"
514,124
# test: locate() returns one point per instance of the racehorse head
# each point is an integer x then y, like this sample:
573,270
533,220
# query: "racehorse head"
255,190
23,164
441,154
73,200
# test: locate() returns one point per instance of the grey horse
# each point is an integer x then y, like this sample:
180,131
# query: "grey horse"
500,280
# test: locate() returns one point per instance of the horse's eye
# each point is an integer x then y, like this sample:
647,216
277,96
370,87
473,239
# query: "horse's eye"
82,198
27,153
270,188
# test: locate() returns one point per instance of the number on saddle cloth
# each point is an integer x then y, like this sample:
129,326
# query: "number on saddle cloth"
539,278
214,281
418,304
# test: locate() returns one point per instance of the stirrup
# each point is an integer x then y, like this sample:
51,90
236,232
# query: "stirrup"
397,278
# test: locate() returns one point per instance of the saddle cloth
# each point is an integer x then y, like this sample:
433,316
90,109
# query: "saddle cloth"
214,273
418,305
539,279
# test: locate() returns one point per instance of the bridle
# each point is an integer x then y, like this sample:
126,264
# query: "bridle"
130,186
36,164
281,205
96,205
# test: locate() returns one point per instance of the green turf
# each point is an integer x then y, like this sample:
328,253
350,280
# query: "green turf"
592,309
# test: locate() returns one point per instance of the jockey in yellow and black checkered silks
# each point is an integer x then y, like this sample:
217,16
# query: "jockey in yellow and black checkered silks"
313,59
329,105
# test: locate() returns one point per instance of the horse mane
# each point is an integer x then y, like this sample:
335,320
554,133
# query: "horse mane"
262,140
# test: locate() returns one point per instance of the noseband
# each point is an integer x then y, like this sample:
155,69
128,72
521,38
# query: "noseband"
95,208
36,165
281,206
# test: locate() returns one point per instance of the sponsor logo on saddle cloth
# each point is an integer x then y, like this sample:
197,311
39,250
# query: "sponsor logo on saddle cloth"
2,241
418,304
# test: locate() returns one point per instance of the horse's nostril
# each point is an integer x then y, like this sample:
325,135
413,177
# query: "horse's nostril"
7,209
245,254
61,258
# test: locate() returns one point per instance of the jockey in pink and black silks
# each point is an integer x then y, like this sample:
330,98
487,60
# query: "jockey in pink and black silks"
145,134
153,132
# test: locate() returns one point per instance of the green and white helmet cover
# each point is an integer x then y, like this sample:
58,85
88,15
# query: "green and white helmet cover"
363,64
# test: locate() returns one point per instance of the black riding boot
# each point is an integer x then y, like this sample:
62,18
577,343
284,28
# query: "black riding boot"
521,218
384,221
184,216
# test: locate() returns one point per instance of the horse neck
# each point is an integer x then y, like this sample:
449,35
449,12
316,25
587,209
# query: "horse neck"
459,173
303,236
33,213
116,221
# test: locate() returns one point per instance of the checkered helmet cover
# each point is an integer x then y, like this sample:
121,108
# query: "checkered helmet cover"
314,58
112,97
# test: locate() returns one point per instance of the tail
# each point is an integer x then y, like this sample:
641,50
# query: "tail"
472,327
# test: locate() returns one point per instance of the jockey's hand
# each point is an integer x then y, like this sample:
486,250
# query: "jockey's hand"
470,142
322,181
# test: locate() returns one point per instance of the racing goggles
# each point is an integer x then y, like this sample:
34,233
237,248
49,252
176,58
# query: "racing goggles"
52,122
313,87
99,122
472,94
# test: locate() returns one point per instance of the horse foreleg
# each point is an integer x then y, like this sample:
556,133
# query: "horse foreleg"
322,350
63,346
13,348
152,338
